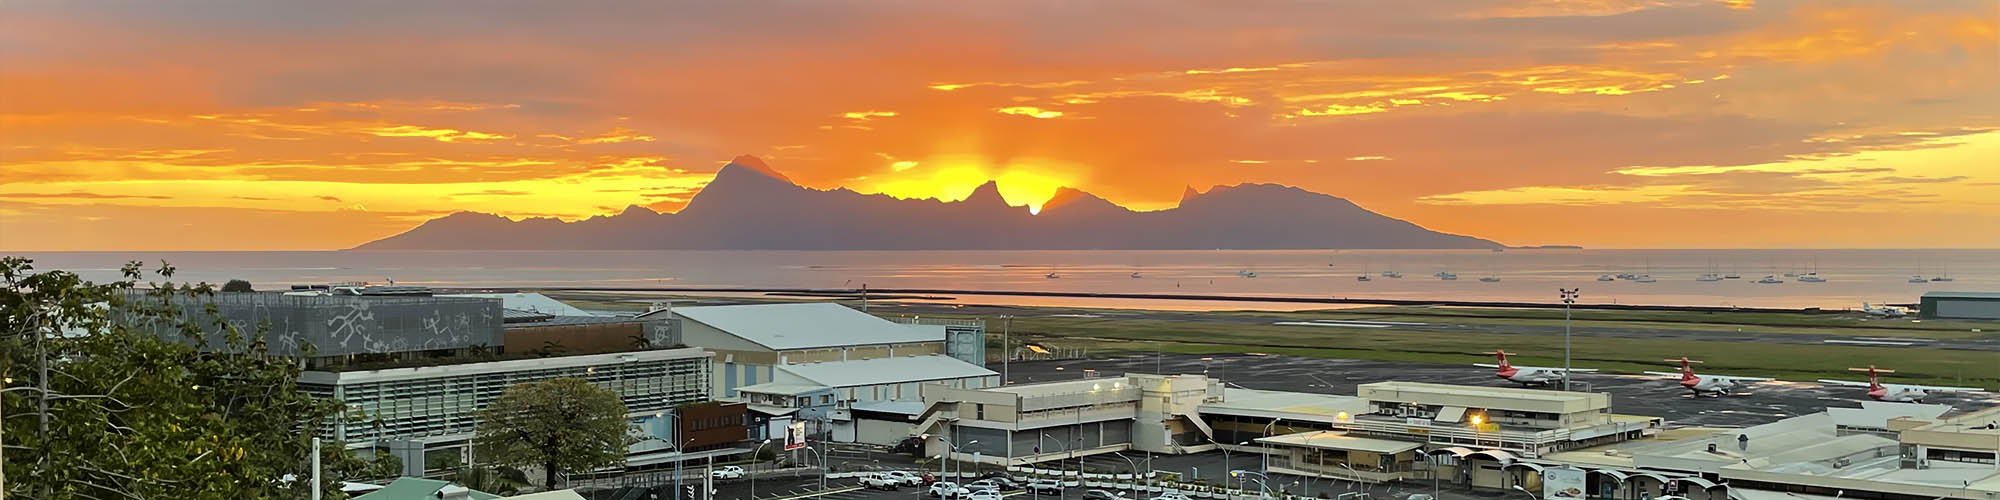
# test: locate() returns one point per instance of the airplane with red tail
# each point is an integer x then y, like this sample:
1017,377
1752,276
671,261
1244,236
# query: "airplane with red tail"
1715,385
1896,393
1527,375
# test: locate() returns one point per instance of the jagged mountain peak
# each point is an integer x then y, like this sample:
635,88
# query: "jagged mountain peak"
750,206
755,164
987,194
1189,194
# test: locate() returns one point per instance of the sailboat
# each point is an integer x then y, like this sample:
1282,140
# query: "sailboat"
1918,279
1606,277
1364,274
1770,279
1813,275
1943,277
1135,274
1490,279
1391,274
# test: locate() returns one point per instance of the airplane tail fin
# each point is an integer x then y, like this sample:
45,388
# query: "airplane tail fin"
1874,376
1687,368
1502,354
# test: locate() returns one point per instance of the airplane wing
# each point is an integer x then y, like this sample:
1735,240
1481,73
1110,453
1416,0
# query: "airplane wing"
1844,382
1742,379
1946,389
1546,368
1665,374
1484,365
1578,370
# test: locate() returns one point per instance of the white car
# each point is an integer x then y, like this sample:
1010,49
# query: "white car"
879,481
1046,486
984,495
1170,495
727,472
948,489
905,477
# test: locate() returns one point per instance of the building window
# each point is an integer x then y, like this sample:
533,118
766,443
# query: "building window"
826,399
979,411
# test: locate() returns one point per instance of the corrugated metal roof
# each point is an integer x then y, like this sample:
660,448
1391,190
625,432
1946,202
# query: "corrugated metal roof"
528,301
1333,440
783,389
807,325
886,371
1962,295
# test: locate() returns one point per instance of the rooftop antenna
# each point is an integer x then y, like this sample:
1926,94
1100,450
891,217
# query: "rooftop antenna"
864,297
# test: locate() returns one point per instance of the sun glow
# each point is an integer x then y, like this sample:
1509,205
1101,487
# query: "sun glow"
1028,182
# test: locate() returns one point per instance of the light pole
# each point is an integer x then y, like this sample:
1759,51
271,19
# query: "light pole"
1006,348
1569,296
753,467
1060,493
1267,446
822,466
1135,472
1436,490
680,455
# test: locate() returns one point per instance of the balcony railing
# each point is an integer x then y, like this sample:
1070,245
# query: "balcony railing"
1084,398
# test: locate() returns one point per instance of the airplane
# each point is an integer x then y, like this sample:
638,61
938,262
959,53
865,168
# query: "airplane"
1526,375
1895,393
1709,384
1881,312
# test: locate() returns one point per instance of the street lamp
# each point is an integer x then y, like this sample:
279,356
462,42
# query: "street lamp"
1263,487
753,466
1569,296
1135,472
822,466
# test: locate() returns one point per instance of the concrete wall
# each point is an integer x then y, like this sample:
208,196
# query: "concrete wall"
341,324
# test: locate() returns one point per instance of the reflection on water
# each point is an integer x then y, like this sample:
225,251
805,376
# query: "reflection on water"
1852,276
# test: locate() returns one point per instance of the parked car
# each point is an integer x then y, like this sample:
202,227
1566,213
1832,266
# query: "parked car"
1420,496
879,481
995,485
1046,486
929,478
1170,495
1102,495
1001,479
727,472
948,489
984,495
906,478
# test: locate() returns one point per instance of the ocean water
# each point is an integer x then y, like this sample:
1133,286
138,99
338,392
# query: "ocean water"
1853,276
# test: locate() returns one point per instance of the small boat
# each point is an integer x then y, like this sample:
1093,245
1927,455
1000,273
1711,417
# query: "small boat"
1363,277
1606,277
1247,273
1918,279
1708,277
1732,276
1812,277
1136,274
1645,278
1391,274
1770,280
1941,278
1447,276
1489,279
1052,276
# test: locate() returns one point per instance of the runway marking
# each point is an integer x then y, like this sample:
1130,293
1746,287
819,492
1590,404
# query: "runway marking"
1315,323
1072,315
1894,339
1370,322
1866,342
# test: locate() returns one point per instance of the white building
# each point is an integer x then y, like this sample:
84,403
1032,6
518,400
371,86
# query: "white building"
865,357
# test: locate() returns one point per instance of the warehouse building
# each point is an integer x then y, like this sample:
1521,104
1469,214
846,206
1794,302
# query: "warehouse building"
1960,305
864,357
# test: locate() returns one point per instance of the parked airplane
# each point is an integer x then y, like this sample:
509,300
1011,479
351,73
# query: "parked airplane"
1881,312
1710,384
1897,393
1527,375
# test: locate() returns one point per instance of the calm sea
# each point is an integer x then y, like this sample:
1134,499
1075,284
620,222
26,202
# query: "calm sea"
1852,276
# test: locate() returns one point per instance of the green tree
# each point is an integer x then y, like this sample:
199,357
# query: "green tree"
96,408
237,286
562,424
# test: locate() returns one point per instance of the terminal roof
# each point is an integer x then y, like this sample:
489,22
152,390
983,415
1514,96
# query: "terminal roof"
808,325
885,371
1334,440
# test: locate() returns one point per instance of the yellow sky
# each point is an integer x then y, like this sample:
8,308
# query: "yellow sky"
1606,123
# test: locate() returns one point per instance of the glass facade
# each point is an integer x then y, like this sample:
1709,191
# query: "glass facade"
447,404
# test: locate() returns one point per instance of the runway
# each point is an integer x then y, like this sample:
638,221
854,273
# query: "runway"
1630,394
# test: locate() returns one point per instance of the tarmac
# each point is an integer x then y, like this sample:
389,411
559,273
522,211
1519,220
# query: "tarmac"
1630,394
1445,325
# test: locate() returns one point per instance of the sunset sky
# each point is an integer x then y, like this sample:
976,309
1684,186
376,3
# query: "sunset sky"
1606,123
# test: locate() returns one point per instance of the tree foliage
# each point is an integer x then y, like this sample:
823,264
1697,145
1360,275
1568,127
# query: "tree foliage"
562,424
98,409
237,286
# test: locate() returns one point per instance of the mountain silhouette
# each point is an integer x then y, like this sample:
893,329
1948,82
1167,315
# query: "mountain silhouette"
749,205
